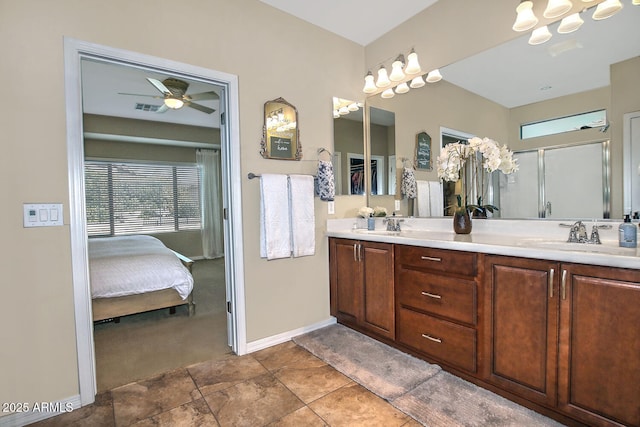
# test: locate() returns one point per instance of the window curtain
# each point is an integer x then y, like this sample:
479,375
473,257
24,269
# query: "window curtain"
212,233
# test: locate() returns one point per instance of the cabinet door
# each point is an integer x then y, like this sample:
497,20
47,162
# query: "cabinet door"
522,326
346,279
599,373
378,301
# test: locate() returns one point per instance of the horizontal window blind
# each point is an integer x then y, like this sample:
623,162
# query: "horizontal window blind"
131,198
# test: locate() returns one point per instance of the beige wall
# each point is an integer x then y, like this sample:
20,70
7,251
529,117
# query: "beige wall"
38,349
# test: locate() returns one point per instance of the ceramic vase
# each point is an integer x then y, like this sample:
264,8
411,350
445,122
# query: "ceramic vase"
461,222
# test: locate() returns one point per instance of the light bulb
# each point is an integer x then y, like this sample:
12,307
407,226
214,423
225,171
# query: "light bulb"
383,78
540,35
525,19
388,93
607,9
402,88
396,69
434,76
369,85
413,67
557,8
416,82
570,23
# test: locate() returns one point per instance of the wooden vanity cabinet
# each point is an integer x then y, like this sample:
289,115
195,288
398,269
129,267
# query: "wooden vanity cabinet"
361,280
599,353
436,304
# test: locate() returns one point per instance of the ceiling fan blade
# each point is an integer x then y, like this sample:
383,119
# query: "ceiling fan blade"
139,94
163,108
199,107
160,86
202,96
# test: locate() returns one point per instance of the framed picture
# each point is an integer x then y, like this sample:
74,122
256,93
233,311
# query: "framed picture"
423,151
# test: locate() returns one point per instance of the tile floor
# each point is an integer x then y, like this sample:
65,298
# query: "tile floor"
283,385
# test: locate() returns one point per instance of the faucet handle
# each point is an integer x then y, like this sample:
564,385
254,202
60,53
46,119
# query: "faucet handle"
595,236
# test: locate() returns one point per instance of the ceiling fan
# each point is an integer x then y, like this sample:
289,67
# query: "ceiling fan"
175,97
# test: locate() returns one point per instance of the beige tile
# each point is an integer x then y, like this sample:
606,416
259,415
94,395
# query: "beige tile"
255,402
137,401
190,414
99,413
353,406
311,383
302,417
216,375
286,354
412,423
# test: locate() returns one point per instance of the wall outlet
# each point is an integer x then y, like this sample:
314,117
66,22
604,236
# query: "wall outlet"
397,205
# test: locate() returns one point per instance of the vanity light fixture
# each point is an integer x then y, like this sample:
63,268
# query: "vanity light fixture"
369,85
525,19
383,78
540,35
636,2
396,69
402,88
606,9
388,93
434,76
343,111
570,23
353,106
556,8
413,66
419,82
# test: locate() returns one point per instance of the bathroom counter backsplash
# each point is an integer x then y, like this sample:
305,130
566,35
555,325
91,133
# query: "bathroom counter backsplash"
540,239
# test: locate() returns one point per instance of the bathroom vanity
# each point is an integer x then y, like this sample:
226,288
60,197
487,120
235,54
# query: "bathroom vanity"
511,307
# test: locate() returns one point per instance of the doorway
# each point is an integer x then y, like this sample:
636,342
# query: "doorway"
75,52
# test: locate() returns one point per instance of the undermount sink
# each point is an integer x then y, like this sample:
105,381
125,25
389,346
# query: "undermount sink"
604,248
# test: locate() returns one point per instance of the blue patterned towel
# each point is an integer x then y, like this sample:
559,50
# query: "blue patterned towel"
326,181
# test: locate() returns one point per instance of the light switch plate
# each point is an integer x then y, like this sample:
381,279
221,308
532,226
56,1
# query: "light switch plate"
331,208
397,205
42,214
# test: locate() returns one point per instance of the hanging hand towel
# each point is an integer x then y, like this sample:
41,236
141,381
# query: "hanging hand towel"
422,199
326,181
436,201
303,223
408,185
275,231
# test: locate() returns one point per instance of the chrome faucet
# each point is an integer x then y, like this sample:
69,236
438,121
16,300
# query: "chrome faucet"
393,223
578,234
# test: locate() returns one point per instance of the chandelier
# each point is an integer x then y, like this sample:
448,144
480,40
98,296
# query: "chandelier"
403,77
526,18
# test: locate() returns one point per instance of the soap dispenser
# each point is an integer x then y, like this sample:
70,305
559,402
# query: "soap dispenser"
627,234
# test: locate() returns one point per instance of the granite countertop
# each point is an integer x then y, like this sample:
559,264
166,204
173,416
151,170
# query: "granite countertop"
538,239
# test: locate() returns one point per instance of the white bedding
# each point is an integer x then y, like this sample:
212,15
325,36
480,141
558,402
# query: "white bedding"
127,265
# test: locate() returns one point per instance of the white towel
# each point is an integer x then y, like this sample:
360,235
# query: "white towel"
303,222
429,199
436,198
275,229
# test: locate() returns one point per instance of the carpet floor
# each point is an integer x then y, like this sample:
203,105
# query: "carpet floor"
147,344
422,390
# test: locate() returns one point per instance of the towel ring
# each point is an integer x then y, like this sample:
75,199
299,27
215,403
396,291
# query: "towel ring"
326,152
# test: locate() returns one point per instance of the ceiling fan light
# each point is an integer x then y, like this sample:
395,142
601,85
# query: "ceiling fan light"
607,9
396,69
525,18
417,82
557,8
402,88
173,103
383,78
369,85
540,35
434,76
413,66
388,93
570,23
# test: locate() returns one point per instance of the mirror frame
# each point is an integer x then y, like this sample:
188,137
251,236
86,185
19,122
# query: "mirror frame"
290,113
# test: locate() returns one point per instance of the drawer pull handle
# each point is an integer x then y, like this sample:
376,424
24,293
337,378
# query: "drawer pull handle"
431,258
438,340
427,294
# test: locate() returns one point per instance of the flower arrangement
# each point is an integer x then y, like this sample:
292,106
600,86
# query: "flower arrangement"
366,212
481,154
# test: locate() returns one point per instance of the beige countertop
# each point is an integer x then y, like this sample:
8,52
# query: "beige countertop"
539,239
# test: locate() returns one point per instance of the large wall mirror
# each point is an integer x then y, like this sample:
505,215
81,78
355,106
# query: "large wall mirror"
517,83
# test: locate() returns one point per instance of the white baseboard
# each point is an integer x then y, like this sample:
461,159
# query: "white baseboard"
43,411
286,336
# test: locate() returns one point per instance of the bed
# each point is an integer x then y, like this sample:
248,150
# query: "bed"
134,274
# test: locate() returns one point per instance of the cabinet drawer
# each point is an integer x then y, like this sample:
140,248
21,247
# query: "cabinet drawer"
443,340
445,296
443,260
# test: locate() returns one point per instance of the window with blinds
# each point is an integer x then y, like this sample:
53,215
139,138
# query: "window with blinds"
133,198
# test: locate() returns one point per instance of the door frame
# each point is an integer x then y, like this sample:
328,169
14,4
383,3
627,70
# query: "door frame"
74,51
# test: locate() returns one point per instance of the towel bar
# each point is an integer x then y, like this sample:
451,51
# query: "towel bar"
252,175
